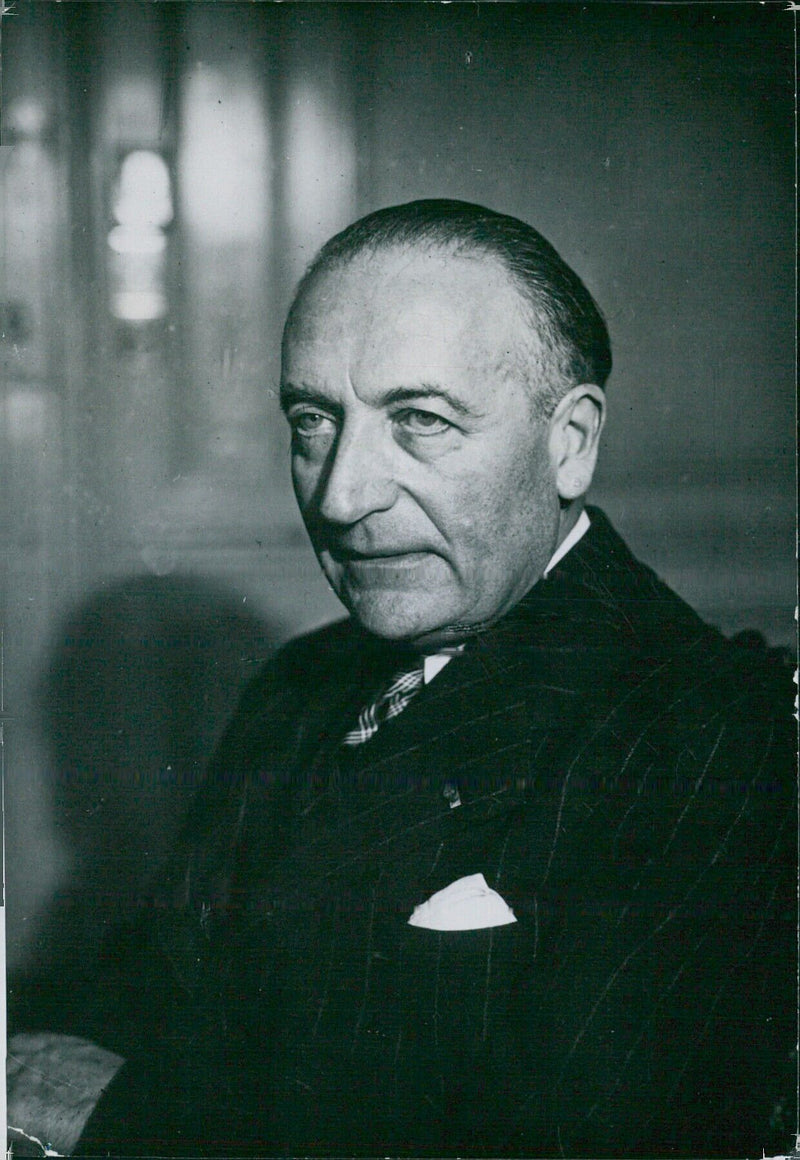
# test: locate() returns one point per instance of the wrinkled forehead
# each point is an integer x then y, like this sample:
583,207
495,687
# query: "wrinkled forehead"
412,296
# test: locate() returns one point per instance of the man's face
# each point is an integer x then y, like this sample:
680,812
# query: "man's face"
420,467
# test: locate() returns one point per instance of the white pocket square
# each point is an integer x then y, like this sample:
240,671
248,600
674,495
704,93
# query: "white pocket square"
466,904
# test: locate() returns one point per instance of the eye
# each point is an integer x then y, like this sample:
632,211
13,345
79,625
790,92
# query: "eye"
307,424
416,422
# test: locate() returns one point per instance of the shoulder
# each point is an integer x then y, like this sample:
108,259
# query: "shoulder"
657,619
646,661
301,657
278,692
651,620
256,745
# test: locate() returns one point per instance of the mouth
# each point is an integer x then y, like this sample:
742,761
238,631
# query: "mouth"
361,561
389,556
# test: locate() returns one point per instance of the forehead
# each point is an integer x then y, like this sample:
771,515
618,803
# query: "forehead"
410,309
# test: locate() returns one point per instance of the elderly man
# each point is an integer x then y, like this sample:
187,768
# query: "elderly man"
502,864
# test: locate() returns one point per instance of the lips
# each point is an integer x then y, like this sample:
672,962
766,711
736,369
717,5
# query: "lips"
411,570
377,555
368,569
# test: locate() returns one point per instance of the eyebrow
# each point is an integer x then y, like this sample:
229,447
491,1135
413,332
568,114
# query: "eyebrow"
428,391
291,394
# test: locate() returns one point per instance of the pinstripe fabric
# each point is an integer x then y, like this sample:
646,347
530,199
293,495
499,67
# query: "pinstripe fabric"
627,785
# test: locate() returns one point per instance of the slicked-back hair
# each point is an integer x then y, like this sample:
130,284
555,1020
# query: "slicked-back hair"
569,338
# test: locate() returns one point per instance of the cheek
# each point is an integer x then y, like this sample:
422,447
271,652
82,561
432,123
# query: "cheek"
487,503
510,510
477,530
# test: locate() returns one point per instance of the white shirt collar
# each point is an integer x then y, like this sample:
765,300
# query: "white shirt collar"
434,664
582,525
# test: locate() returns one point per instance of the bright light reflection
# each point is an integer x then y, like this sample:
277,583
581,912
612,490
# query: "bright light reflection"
321,168
25,116
143,191
142,206
225,155
124,240
138,305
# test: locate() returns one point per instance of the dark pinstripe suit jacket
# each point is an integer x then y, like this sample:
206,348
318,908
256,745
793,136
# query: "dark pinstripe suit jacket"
627,785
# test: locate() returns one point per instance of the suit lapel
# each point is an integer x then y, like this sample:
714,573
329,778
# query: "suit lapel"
522,687
499,723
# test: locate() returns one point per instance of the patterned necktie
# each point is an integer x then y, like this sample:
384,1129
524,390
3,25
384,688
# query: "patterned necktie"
402,688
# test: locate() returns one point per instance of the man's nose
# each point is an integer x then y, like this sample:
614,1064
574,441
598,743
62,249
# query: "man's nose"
360,478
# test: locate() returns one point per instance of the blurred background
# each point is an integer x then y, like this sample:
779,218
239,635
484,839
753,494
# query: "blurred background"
168,169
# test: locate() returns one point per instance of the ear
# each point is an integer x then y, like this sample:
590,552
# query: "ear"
574,439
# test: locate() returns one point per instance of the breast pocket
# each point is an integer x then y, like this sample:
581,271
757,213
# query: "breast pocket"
459,1044
467,904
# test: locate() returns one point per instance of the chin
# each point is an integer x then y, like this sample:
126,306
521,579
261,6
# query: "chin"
398,619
